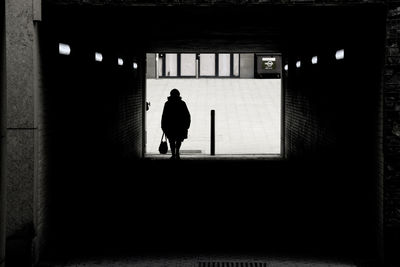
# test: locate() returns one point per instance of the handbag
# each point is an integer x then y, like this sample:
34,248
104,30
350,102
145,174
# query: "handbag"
163,148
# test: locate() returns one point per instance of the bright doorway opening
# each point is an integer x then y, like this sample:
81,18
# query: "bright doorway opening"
244,89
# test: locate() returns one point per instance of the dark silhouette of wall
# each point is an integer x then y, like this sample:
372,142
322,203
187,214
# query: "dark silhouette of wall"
90,122
332,115
98,196
95,194
322,142
391,133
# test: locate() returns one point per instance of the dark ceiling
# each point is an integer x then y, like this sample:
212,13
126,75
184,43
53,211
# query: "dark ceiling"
189,28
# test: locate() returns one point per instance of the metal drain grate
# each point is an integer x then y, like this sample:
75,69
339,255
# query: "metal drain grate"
231,264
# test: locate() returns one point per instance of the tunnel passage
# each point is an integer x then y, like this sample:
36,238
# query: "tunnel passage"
98,194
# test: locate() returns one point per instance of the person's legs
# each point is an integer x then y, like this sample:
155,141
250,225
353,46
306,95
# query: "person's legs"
178,146
172,146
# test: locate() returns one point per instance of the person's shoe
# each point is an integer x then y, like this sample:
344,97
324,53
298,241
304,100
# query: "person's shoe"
172,157
177,156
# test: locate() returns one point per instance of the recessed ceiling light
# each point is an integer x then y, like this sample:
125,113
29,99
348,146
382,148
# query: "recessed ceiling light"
64,49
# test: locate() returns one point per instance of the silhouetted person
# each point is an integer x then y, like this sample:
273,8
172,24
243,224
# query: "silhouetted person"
175,122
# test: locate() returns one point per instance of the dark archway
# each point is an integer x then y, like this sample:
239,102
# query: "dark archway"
98,191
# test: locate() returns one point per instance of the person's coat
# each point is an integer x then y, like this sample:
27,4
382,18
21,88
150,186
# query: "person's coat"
175,120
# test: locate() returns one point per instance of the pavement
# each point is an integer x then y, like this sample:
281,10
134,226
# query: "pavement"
247,120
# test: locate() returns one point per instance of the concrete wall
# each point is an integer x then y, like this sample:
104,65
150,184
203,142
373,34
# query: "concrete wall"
3,183
21,128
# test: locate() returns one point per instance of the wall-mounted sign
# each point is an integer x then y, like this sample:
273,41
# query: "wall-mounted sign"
268,63
268,66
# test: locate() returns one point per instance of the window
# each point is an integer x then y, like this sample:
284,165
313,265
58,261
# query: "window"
207,64
224,65
188,64
171,65
236,65
160,65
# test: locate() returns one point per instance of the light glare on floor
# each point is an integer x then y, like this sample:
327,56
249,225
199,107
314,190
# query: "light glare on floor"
135,65
298,64
64,49
286,67
120,61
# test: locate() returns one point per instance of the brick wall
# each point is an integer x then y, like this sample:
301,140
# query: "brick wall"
127,107
308,132
391,122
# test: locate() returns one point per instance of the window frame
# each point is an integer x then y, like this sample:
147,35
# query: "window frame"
231,75
198,75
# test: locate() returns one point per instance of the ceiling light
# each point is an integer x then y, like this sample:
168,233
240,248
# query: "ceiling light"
340,54
64,49
314,60
98,57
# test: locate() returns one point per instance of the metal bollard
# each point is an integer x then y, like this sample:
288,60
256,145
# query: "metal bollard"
212,132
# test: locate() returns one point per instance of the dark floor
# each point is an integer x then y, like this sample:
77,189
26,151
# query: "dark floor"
205,261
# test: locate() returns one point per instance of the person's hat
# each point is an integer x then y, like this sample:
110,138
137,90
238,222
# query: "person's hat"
175,92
